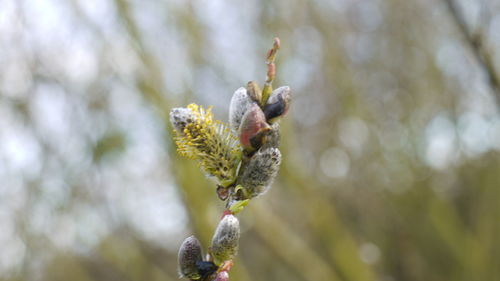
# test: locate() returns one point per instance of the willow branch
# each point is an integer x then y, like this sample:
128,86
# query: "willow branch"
475,43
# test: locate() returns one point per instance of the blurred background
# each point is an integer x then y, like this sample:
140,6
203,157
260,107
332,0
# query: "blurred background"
391,148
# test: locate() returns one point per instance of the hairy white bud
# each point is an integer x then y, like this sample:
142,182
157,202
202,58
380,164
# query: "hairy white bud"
188,257
180,117
260,171
240,102
225,240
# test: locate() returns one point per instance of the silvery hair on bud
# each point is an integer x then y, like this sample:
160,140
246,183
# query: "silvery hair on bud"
189,255
260,171
225,240
273,137
283,91
240,102
180,117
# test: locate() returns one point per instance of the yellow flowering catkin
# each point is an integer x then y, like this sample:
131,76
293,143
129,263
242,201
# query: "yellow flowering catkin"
210,142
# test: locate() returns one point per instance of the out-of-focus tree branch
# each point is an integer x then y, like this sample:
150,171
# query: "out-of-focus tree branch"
298,255
476,44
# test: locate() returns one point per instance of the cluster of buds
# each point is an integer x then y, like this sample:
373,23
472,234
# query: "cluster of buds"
243,158
218,262
256,124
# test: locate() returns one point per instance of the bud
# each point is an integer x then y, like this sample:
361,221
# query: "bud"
273,137
277,104
225,240
222,192
180,117
240,102
222,276
254,92
188,257
260,171
253,128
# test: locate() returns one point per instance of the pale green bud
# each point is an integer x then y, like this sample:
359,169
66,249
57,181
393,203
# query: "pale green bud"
254,91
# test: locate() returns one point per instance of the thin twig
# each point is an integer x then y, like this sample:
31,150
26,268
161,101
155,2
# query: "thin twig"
476,46
271,70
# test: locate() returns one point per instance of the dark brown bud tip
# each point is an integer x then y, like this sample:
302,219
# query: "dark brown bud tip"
278,104
222,192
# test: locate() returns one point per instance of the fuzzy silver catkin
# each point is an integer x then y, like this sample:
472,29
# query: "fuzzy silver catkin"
240,102
180,117
260,171
225,240
189,255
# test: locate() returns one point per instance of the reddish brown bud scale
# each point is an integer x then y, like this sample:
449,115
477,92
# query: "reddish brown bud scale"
253,127
271,71
222,192
222,276
272,52
226,266
269,53
225,213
